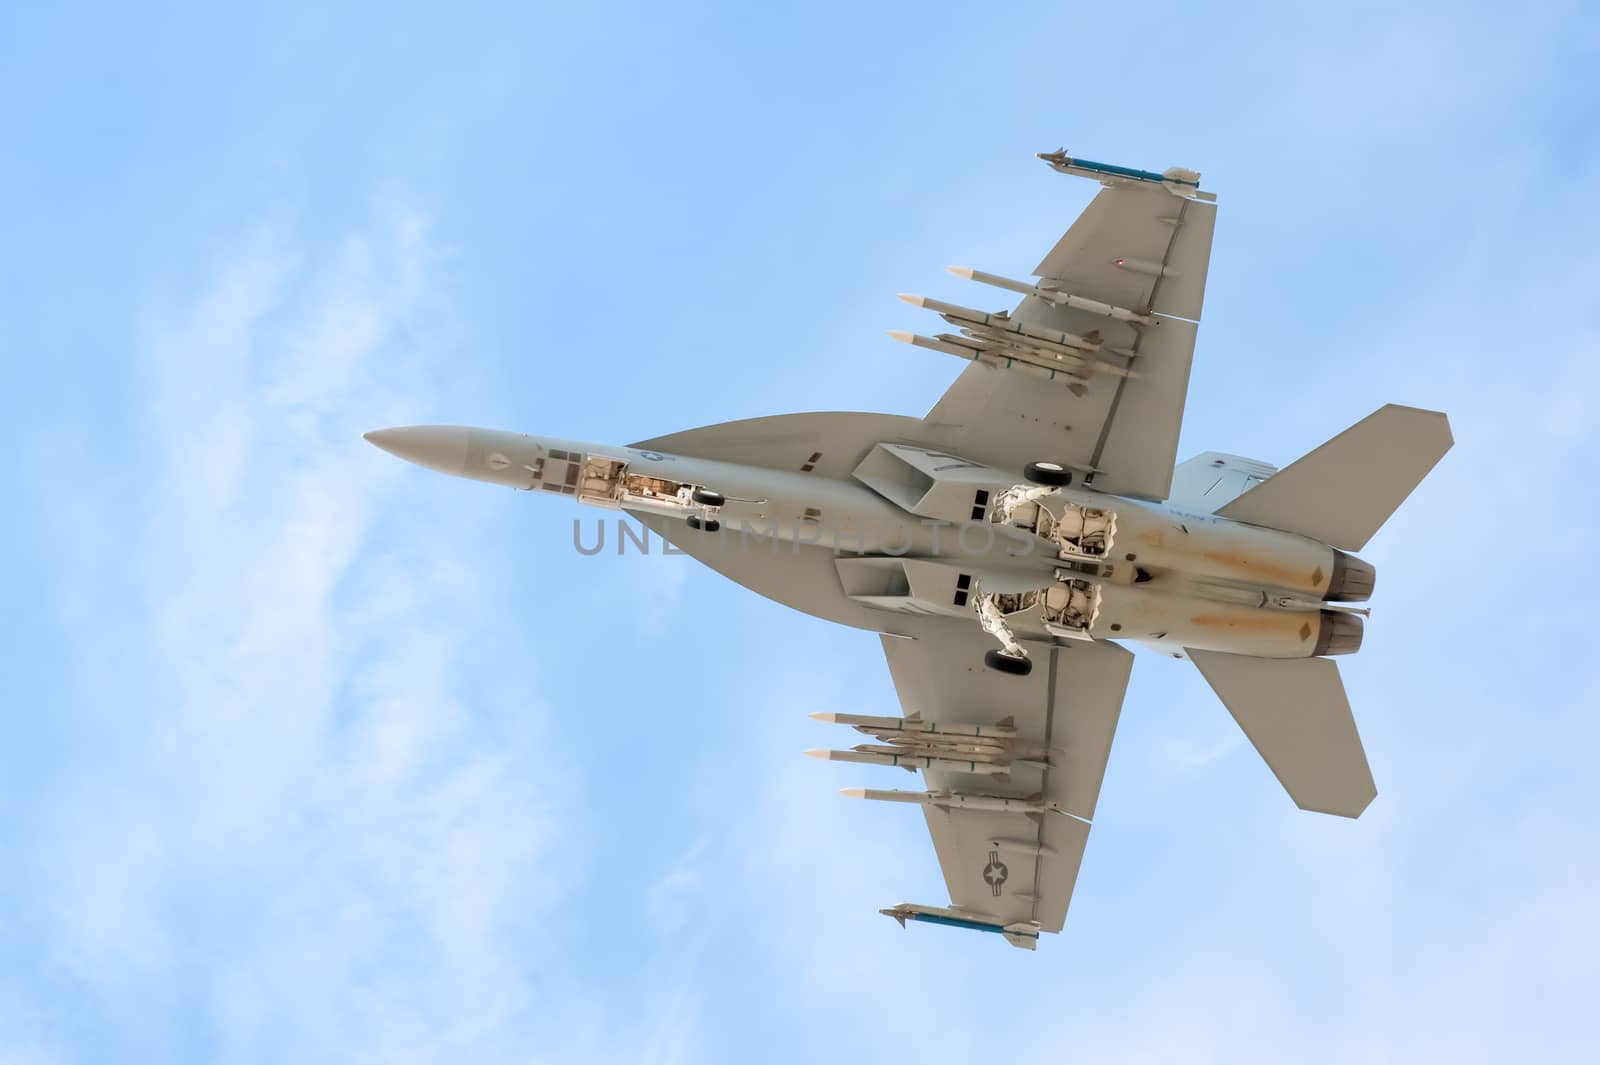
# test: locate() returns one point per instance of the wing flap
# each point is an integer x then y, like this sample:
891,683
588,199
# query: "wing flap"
1141,429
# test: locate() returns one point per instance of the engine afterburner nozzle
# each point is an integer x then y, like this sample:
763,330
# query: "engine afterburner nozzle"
1340,634
1352,580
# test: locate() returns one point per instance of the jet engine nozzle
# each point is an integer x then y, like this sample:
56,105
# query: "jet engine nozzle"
1352,581
1340,634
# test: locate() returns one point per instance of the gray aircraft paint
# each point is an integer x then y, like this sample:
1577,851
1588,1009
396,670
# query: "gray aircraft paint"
1001,603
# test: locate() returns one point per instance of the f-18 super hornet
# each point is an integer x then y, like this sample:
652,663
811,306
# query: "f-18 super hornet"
1005,543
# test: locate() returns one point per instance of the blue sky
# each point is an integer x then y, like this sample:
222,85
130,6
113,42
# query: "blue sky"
314,756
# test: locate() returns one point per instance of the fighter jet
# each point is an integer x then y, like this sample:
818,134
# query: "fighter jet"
1009,543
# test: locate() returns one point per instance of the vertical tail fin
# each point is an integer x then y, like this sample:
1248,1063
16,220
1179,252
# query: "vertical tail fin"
1342,492
1295,712
1212,479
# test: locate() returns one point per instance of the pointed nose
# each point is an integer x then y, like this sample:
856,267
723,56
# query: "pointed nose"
438,447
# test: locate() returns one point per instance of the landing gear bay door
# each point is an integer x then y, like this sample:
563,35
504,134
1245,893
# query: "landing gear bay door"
1122,292
1000,864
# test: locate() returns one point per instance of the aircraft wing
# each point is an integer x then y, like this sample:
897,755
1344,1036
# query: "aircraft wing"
1011,871
1129,274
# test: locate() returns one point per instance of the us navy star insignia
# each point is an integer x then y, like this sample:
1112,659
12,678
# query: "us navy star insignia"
995,873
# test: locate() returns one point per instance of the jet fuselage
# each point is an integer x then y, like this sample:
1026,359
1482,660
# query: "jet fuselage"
916,531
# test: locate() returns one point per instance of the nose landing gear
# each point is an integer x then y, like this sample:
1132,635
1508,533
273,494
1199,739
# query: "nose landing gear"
712,503
705,497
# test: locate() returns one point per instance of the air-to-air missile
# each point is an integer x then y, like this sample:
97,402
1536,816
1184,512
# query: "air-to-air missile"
1064,299
868,754
1033,805
1024,934
998,339
912,743
965,348
1000,325
913,724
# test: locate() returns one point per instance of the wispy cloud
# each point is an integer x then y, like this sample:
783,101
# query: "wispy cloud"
318,839
291,789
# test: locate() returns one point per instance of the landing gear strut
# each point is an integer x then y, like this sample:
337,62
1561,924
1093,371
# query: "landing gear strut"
1014,659
1045,477
712,502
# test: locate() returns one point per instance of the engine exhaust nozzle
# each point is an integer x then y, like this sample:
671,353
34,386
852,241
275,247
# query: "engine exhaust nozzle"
1352,580
1340,634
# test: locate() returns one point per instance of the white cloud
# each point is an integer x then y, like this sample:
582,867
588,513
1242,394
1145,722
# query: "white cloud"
306,812
323,831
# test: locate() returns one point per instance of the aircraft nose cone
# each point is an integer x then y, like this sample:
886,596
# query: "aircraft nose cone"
437,447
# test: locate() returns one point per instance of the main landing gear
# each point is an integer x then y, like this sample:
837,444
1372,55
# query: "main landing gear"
1050,474
1045,477
1079,529
1001,662
1013,659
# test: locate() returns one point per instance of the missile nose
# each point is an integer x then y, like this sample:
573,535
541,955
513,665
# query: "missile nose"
436,447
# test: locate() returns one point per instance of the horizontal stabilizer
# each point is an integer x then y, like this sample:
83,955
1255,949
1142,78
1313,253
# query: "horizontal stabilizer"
1341,493
1295,712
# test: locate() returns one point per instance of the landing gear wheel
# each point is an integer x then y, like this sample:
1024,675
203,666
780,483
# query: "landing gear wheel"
1004,663
705,497
695,521
1050,474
